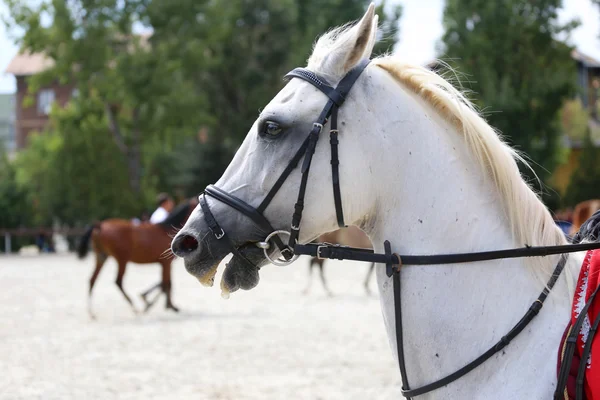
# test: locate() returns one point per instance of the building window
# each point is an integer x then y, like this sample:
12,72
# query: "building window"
45,100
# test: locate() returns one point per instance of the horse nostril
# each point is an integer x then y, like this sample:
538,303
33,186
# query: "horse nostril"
183,245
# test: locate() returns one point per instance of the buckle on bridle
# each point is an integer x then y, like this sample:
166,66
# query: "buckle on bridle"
219,235
319,251
288,250
326,245
265,245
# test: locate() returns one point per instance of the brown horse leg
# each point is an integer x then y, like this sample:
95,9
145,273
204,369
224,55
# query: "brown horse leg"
368,277
313,261
144,296
166,282
119,282
100,260
150,303
323,278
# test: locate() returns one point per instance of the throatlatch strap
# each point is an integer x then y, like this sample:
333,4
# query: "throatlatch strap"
335,170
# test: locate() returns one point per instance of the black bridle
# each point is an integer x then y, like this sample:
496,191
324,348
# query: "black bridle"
336,97
393,261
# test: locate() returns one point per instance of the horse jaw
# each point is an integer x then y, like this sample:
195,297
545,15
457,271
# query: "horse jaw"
238,274
208,278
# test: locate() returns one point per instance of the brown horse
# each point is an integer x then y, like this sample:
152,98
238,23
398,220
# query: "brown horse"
582,212
141,243
350,236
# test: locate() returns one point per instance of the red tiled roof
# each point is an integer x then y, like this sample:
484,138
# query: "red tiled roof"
27,63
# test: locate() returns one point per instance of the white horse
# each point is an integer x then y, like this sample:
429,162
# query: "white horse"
422,169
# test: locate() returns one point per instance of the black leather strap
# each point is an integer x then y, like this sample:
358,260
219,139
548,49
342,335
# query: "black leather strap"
395,273
585,354
241,206
288,170
569,350
335,170
322,250
337,97
317,82
531,313
248,211
589,230
359,254
219,232
299,206
212,223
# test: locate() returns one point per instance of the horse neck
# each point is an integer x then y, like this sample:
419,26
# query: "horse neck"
433,198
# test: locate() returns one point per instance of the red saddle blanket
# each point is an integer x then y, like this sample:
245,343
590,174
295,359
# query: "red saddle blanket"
588,281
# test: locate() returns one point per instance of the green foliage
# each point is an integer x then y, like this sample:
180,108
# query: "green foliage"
585,183
198,165
574,119
92,44
236,55
520,73
15,210
208,66
73,177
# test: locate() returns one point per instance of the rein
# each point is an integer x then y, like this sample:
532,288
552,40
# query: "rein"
292,250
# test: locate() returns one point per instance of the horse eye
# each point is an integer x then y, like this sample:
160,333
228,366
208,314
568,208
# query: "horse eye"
272,128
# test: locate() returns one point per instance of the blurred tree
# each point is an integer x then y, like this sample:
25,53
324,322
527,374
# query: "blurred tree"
520,72
585,183
574,119
207,66
237,55
73,177
92,44
15,210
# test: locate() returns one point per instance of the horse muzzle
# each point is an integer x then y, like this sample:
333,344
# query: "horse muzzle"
203,249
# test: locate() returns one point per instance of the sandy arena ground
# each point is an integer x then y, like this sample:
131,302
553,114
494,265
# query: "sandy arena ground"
270,343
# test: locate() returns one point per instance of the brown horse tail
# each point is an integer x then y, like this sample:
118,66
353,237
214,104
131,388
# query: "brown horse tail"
84,243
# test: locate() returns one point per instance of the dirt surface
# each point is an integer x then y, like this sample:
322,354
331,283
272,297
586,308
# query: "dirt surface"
273,342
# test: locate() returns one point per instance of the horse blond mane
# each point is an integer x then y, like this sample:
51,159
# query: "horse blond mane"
530,221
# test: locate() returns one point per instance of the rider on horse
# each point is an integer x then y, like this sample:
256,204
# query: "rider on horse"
165,205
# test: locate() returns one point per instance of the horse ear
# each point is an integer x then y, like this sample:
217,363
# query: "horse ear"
362,39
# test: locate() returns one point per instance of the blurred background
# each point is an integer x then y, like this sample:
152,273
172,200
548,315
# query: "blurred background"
106,103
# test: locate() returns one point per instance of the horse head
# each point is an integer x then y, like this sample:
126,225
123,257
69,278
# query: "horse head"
273,140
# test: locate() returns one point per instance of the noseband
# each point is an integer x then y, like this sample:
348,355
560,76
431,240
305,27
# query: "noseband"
293,249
